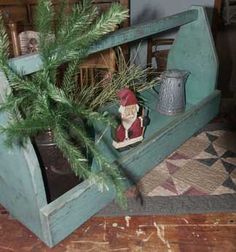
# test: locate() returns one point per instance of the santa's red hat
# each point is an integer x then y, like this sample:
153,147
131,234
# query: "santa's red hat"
127,97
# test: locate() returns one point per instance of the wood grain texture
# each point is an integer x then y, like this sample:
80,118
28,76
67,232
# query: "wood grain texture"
195,233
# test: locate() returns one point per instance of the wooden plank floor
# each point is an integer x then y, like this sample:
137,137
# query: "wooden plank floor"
211,232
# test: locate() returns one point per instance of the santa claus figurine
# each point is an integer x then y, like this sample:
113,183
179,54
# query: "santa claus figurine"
131,128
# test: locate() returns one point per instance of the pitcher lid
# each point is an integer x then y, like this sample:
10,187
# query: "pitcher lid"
175,73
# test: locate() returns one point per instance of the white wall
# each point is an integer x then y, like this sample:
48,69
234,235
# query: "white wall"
146,10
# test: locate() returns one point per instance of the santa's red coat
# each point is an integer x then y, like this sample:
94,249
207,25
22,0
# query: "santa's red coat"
136,130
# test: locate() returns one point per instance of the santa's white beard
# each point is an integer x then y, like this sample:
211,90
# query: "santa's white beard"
128,116
127,122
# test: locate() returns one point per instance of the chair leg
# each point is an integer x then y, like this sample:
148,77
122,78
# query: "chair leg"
14,38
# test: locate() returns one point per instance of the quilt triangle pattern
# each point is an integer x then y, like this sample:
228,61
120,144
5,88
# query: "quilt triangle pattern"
189,170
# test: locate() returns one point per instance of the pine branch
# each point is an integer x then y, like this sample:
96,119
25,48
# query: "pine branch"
19,130
77,46
40,108
69,80
23,92
4,43
42,79
86,94
69,29
44,22
106,23
74,24
13,103
60,16
72,153
108,173
58,95
93,116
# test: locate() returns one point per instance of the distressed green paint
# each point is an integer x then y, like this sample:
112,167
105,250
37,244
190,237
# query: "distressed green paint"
194,51
71,210
26,64
21,184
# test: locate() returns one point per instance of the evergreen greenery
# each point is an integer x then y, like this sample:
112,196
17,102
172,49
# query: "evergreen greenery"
127,75
43,105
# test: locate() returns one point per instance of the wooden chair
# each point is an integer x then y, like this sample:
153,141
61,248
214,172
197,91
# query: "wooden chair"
158,49
97,67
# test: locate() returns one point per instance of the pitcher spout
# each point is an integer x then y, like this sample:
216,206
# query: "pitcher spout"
186,74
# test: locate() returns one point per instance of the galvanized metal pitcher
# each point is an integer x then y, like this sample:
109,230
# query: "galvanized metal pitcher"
172,92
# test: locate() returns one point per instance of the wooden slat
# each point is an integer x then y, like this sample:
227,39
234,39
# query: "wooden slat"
26,64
